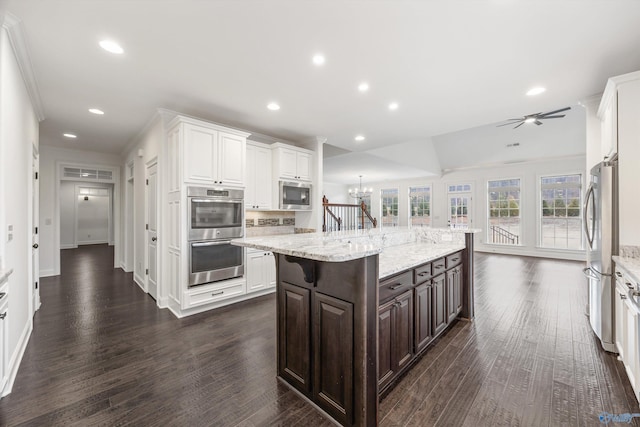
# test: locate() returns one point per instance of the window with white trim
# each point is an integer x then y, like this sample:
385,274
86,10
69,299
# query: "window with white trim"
389,207
420,206
503,203
560,224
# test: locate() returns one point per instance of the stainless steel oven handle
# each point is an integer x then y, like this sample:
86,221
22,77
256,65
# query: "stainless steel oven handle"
221,242
216,200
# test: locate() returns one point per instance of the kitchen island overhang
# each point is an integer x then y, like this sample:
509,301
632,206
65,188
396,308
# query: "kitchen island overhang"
341,294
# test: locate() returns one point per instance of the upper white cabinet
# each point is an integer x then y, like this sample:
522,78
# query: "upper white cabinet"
212,154
258,191
620,115
608,116
292,163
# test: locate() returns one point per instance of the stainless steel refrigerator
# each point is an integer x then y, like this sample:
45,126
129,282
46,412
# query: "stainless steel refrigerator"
601,232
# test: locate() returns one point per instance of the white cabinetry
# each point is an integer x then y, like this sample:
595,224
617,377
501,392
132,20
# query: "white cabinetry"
261,270
627,316
213,156
4,329
620,115
259,180
292,163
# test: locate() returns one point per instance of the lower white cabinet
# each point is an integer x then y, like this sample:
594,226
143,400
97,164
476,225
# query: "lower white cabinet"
627,318
214,292
260,270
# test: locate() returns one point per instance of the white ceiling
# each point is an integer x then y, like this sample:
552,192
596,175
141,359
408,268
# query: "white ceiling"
451,65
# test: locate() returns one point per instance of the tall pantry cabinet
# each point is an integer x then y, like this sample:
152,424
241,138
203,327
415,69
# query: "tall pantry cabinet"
199,153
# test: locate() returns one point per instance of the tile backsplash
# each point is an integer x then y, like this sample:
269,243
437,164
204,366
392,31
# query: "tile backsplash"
270,219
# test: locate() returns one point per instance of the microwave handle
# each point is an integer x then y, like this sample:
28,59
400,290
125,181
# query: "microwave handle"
221,242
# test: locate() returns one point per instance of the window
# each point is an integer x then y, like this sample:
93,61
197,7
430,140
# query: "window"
561,216
420,206
460,188
503,201
389,206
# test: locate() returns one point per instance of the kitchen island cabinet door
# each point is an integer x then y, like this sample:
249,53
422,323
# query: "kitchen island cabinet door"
386,370
423,329
439,300
404,329
294,330
333,356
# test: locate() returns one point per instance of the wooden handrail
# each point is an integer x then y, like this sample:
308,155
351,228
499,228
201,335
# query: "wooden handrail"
344,209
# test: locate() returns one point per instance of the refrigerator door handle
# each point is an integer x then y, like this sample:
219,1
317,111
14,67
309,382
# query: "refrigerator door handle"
589,232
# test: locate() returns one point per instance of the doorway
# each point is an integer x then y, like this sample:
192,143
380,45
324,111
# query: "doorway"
460,198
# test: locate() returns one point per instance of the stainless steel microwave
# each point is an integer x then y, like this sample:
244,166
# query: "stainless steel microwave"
295,195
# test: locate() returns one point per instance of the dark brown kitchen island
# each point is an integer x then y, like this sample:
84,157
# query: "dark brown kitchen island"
354,310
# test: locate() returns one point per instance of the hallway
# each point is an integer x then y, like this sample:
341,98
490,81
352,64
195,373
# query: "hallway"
102,353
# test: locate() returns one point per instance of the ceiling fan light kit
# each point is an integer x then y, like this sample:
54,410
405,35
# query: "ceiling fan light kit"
535,118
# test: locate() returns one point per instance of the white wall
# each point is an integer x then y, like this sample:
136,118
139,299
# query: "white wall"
336,193
529,173
92,219
49,157
18,134
67,215
149,143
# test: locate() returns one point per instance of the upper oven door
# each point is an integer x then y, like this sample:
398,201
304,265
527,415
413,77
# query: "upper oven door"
295,195
215,218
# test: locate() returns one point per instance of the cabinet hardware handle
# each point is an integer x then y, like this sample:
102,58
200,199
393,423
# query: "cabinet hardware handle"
153,239
454,259
217,293
35,246
422,274
3,315
394,287
630,286
623,296
2,294
438,266
618,274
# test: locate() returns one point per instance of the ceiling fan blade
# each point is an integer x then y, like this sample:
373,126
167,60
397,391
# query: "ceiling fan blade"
551,117
538,122
518,125
553,112
510,123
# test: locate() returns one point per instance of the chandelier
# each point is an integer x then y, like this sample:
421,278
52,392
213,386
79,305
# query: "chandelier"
360,192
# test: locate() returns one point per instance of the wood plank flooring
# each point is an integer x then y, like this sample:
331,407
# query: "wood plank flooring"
103,354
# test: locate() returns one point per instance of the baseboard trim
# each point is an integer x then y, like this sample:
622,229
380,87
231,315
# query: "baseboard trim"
163,302
140,282
47,273
68,246
16,358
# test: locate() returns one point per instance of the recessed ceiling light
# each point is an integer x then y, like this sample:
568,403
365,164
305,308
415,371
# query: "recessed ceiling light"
359,138
70,135
96,111
111,46
536,91
273,106
530,120
363,87
318,59
393,106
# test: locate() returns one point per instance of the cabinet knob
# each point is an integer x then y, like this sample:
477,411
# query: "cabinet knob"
153,239
35,246
3,315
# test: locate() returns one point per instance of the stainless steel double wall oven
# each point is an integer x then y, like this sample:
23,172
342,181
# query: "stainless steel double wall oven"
216,216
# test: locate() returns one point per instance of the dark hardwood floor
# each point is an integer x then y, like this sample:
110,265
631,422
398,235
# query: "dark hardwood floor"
102,353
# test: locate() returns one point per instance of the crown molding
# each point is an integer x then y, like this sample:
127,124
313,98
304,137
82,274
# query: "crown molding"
15,31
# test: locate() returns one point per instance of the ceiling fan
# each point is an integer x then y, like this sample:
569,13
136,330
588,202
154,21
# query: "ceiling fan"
535,118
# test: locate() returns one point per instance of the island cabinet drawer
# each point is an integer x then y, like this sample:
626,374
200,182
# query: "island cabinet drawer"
454,259
394,286
422,274
438,266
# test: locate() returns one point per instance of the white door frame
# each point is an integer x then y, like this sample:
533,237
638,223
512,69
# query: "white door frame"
35,230
129,244
148,165
115,170
89,185
469,194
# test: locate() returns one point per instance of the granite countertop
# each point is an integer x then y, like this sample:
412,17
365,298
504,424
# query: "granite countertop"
630,265
400,248
395,259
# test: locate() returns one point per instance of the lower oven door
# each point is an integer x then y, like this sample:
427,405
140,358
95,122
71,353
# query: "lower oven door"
213,260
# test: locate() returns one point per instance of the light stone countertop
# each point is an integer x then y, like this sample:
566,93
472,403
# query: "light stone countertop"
395,259
630,265
400,248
